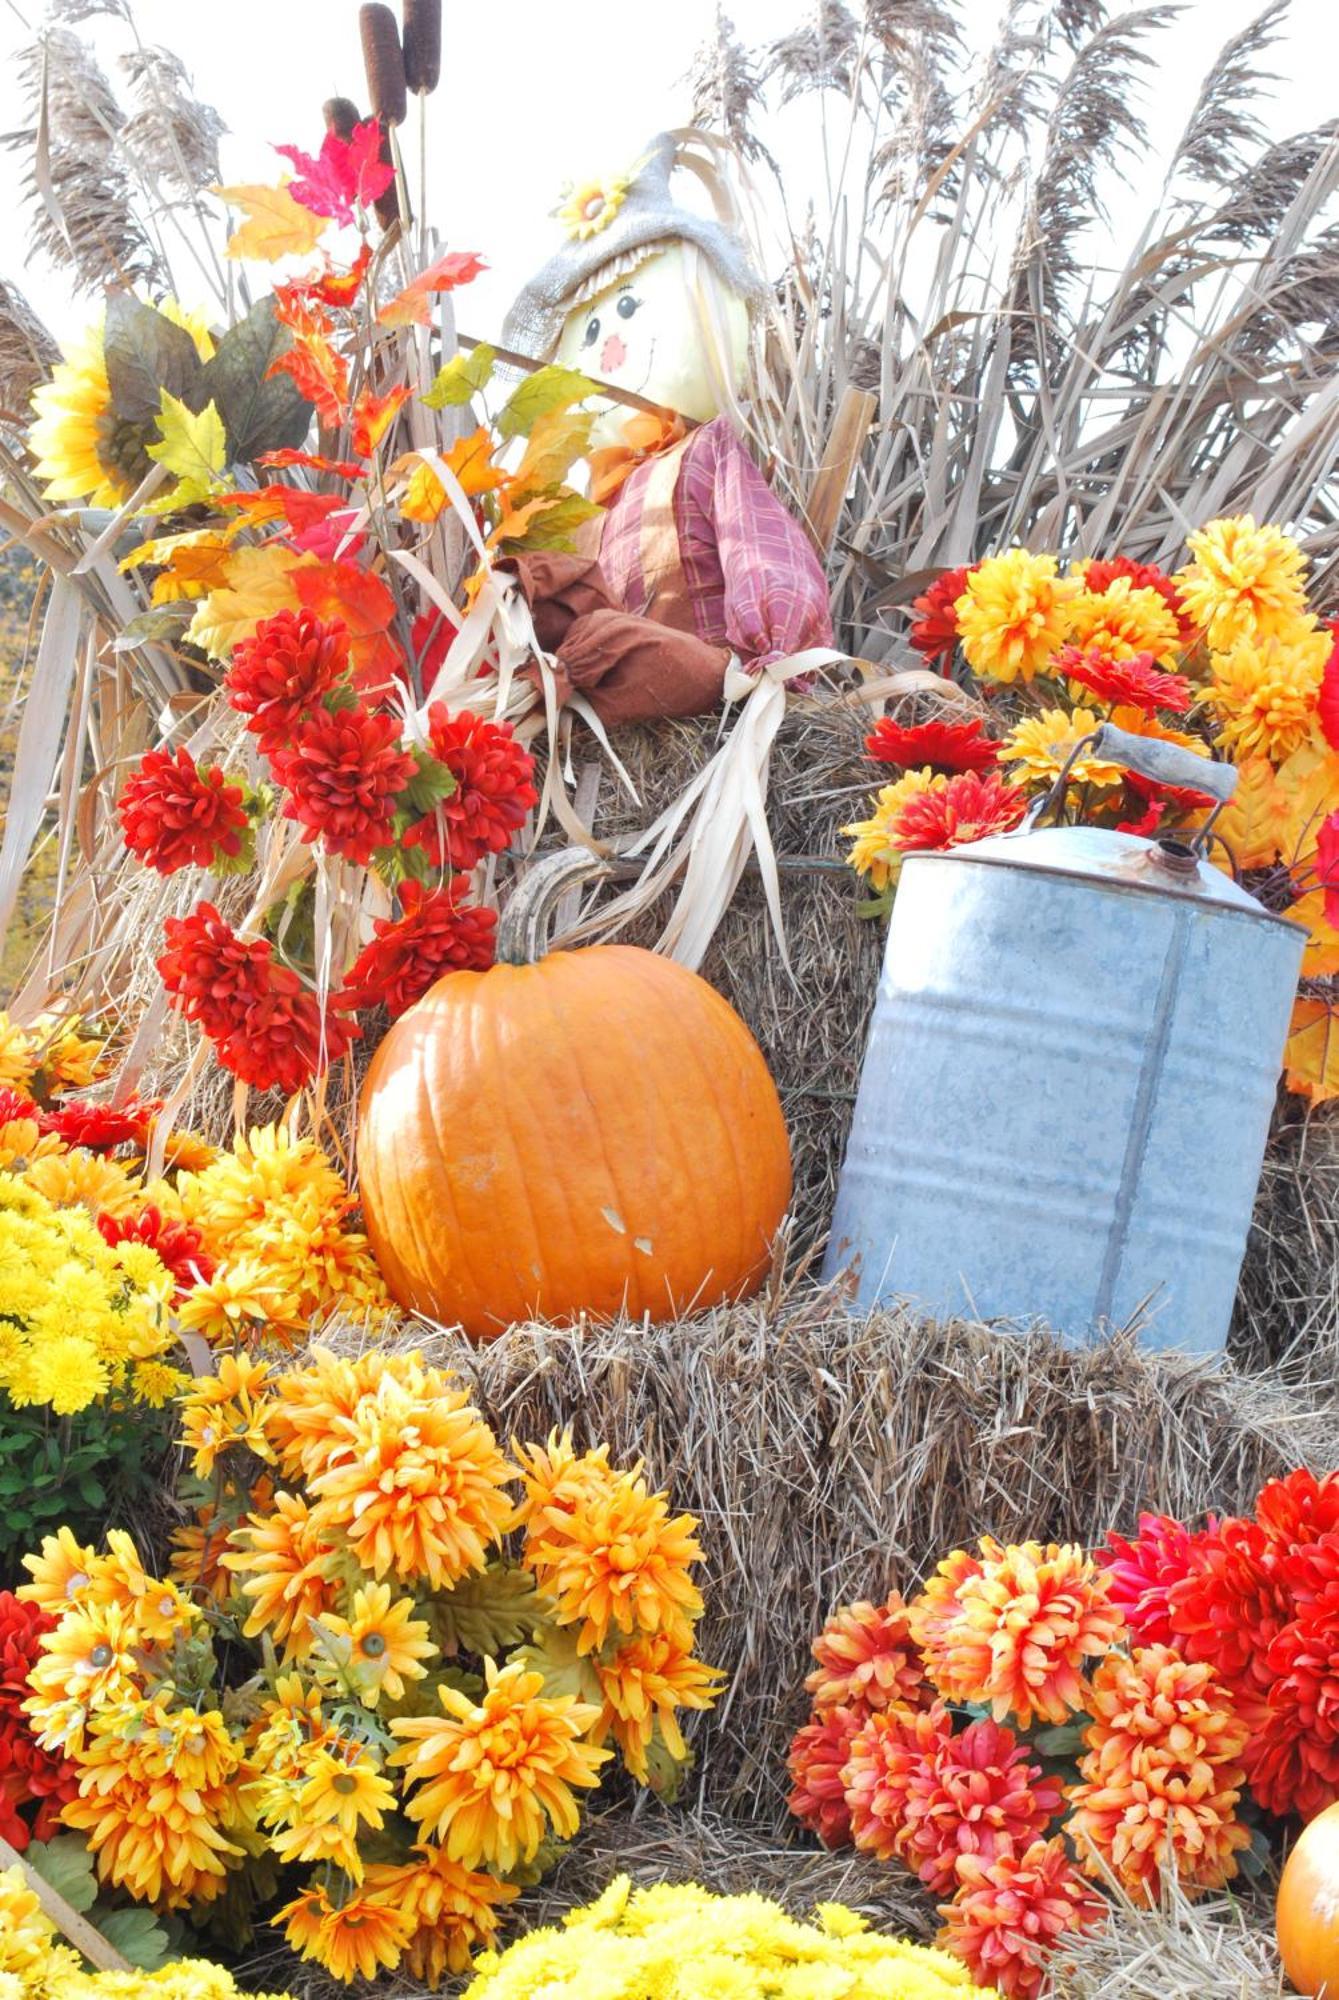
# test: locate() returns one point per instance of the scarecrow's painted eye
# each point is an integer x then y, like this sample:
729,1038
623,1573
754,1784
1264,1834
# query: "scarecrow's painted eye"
627,306
592,333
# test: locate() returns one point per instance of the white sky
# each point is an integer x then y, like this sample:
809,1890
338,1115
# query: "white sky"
538,91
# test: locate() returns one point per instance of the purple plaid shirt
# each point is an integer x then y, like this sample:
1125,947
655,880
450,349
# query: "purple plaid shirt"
749,574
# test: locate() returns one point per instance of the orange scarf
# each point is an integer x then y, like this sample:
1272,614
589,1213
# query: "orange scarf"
644,437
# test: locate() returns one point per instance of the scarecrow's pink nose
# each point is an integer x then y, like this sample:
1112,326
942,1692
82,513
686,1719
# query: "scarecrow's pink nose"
612,355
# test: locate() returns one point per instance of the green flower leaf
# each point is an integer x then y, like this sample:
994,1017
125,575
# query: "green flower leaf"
66,1864
547,390
431,783
463,376
488,1614
147,357
263,412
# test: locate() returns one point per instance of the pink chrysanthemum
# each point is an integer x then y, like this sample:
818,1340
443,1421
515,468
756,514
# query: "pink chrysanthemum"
1142,1573
891,1751
976,1795
867,1659
818,1758
1010,1913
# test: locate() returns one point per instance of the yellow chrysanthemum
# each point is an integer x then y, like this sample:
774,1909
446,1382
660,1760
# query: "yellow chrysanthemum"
83,451
1040,745
354,1938
312,1403
103,1186
1122,620
492,1777
157,1384
65,1373
592,205
22,1141
873,853
26,1931
1013,615
619,1562
1243,584
289,1571
1264,692
416,1484
158,1800
386,1644
454,1911
19,1055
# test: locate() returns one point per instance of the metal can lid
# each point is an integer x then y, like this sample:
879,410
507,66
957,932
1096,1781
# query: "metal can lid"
1099,854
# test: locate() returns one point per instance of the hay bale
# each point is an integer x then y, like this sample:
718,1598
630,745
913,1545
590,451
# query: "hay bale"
831,1457
1218,1950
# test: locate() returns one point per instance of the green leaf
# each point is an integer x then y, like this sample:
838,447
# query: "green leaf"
147,355
554,1654
548,389
137,1935
431,783
462,377
1064,1740
665,1773
488,1614
191,444
262,412
67,1865
555,527
545,1859
557,441
402,864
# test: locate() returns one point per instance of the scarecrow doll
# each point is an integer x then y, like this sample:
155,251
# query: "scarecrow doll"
695,571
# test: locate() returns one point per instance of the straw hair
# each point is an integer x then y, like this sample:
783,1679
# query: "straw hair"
423,44
383,61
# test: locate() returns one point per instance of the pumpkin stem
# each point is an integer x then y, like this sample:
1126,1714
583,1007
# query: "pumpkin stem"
523,929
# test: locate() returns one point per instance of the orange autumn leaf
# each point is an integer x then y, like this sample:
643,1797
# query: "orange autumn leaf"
1308,784
294,505
1320,960
311,461
192,570
413,306
340,589
373,416
1311,1054
1254,821
470,458
276,225
515,520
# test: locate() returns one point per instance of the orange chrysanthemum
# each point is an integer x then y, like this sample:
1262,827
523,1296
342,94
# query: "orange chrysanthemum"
891,1749
415,1483
867,1659
1015,1628
1010,1913
643,1685
618,1561
493,1776
288,1569
454,1911
1243,583
1161,1776
314,1403
356,1938
158,1800
975,1794
817,1763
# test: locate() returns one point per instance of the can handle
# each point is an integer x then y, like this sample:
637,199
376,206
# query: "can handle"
1165,763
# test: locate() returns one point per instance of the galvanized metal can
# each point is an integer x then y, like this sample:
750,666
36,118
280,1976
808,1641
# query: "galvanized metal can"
1068,1084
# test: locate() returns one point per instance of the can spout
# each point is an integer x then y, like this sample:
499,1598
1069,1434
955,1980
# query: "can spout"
1174,858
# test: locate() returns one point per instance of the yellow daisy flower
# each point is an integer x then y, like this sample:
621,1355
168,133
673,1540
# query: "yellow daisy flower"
386,1643
1040,744
591,205
873,853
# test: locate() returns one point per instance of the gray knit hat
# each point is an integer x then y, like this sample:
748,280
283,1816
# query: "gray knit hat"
647,218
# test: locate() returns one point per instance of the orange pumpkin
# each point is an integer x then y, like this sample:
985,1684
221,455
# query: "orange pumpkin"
583,1131
1307,1913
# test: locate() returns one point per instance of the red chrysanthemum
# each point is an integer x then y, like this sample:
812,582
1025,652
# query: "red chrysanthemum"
1142,1573
494,789
1292,1758
175,815
953,812
944,746
1228,1608
278,676
101,1128
29,1775
817,1762
892,1750
343,772
978,1794
1297,1509
1327,702
1137,681
178,1246
436,933
935,631
867,1659
1010,1913
215,975
285,1039
14,1105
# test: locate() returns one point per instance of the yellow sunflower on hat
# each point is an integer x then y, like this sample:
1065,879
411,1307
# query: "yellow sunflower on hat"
591,205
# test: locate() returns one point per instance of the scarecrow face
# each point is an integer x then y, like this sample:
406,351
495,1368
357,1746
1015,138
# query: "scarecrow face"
645,334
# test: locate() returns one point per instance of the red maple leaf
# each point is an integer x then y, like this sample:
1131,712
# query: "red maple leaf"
1327,704
333,287
340,589
411,307
347,173
311,461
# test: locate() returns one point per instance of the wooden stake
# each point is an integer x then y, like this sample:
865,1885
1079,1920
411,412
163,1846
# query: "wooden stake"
75,1929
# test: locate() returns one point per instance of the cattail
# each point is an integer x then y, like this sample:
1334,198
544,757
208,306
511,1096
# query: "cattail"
342,116
384,63
422,44
387,205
